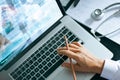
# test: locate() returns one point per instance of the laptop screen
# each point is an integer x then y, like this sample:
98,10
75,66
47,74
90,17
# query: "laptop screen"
23,21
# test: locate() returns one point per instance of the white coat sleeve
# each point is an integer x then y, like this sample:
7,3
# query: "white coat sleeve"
111,70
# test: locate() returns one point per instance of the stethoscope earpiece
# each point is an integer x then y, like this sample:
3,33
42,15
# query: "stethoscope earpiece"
97,14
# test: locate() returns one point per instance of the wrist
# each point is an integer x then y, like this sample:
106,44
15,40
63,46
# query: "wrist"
99,66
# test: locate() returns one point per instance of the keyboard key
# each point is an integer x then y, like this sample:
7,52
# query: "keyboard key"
19,78
25,79
30,62
22,69
43,57
60,35
57,38
51,49
42,71
39,60
48,59
52,55
42,52
28,70
46,74
55,52
47,53
38,55
36,52
15,76
76,39
36,63
32,73
26,65
64,57
69,33
44,62
49,64
19,72
24,74
63,45
32,67
71,38
58,43
37,75
53,42
36,69
62,40
46,48
55,46
34,59
41,78
53,60
49,45
40,66
45,68
57,57
65,31
33,78
28,77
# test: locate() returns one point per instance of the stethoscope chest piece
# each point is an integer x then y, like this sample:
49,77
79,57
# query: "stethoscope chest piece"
97,14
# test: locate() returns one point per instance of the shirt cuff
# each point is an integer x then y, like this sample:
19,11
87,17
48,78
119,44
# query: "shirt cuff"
109,69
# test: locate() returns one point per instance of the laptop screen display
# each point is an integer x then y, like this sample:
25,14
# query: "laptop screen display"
23,21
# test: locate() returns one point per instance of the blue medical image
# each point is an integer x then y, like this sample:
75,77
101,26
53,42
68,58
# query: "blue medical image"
23,21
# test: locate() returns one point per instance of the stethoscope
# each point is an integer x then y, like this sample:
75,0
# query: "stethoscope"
98,14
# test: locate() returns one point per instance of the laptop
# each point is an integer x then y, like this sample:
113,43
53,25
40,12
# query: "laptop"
30,33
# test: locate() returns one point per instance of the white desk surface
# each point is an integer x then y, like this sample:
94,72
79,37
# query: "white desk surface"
82,13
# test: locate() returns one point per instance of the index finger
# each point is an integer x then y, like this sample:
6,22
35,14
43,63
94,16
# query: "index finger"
68,53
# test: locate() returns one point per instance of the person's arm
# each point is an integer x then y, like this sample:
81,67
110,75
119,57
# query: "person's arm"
86,62
111,70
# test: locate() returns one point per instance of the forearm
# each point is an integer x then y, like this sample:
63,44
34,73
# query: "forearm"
111,69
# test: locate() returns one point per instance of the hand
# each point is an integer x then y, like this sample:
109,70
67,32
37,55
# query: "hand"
85,61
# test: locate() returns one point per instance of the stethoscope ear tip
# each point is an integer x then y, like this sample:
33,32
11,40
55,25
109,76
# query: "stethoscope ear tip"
97,14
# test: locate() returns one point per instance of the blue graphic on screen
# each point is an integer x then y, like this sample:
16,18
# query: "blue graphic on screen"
22,21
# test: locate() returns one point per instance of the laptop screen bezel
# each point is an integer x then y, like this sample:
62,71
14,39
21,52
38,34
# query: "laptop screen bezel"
12,60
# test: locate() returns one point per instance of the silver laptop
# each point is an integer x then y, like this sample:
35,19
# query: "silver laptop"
31,31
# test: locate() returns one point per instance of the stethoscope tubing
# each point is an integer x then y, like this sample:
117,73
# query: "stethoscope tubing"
114,4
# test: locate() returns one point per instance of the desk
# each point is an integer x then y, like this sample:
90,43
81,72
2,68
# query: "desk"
112,46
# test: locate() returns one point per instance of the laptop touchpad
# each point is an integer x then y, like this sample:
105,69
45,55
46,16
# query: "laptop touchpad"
66,74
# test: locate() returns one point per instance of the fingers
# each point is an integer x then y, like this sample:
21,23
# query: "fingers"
74,46
71,49
68,53
77,43
67,65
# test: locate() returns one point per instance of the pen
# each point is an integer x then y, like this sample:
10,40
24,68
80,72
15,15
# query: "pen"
72,67
76,2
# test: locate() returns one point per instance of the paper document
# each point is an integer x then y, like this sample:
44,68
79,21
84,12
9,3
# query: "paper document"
82,13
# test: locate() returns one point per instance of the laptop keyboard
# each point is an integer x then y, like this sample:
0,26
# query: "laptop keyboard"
45,60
